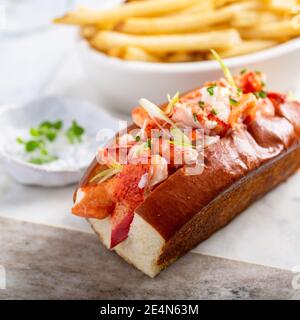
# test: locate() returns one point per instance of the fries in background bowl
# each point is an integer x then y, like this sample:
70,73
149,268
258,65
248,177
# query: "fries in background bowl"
185,30
126,55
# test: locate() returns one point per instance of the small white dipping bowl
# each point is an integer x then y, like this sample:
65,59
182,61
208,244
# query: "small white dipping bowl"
121,83
21,117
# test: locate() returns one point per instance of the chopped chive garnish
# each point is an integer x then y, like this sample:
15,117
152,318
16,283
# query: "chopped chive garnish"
137,138
149,143
261,94
201,104
210,90
243,71
195,116
214,112
233,101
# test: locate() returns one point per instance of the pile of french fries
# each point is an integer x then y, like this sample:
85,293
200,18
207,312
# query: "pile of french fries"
186,30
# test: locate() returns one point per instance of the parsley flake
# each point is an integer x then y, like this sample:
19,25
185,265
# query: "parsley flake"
201,104
233,102
210,90
214,112
261,94
195,117
74,133
149,143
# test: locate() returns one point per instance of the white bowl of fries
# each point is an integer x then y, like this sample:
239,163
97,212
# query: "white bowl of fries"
157,47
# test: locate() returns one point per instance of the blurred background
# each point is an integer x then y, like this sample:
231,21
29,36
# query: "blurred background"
36,56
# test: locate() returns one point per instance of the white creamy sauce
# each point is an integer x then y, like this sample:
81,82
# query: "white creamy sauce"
70,156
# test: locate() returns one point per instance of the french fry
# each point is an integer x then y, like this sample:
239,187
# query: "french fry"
138,54
280,31
116,52
281,6
185,30
183,57
268,17
84,16
221,3
201,7
106,40
245,19
245,47
184,23
88,32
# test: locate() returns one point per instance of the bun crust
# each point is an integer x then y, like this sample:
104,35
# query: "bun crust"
240,168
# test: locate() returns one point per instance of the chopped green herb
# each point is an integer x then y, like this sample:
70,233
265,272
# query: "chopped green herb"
239,91
261,94
233,101
45,124
214,112
34,132
149,143
20,140
51,136
74,133
47,129
44,133
42,160
137,138
57,125
32,145
195,117
44,152
243,71
263,83
201,104
210,90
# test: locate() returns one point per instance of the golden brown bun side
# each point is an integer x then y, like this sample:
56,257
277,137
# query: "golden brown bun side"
172,204
180,197
291,111
271,133
230,203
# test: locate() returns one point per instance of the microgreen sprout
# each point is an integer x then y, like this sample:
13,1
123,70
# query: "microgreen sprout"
45,133
74,133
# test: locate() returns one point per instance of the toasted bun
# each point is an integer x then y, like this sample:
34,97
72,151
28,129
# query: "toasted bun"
186,209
